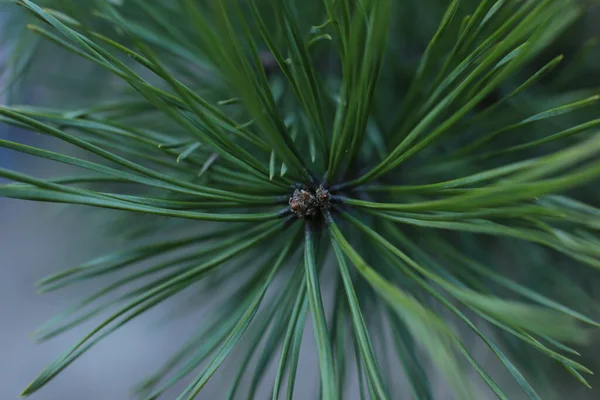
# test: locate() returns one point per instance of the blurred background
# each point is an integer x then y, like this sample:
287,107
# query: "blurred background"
39,239
36,240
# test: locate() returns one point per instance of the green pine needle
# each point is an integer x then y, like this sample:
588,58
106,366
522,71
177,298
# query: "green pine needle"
410,179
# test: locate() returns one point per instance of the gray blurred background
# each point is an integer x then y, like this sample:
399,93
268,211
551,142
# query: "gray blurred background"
38,239
35,240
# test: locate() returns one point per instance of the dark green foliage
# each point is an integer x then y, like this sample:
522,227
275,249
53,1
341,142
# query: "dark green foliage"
438,163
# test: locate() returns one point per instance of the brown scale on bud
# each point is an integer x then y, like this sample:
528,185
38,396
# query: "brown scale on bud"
306,204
